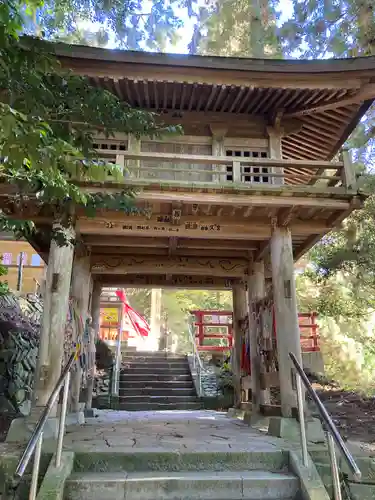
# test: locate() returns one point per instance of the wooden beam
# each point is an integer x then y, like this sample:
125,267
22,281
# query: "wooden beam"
365,93
208,76
167,281
305,246
262,250
276,200
114,241
215,251
228,160
221,119
198,222
140,243
124,264
113,250
210,227
285,215
337,217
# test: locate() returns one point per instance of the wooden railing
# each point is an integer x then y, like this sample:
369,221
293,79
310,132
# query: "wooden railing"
209,325
228,170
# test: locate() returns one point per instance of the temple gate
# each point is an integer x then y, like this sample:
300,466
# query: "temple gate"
252,185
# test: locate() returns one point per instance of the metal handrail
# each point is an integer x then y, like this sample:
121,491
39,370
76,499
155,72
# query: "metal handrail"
196,356
35,441
333,435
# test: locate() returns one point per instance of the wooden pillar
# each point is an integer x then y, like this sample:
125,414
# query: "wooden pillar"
80,290
286,314
134,146
218,149
349,179
239,313
56,302
275,135
94,334
257,291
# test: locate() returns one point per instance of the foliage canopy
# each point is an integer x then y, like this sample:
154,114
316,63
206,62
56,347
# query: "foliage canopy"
132,24
49,117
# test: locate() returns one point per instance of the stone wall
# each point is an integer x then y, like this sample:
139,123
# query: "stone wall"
102,393
19,340
209,377
102,383
20,319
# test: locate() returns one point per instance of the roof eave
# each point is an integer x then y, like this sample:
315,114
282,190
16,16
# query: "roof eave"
322,67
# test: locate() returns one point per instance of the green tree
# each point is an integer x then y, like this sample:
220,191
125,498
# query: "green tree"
48,118
341,281
176,305
132,24
140,300
340,285
339,28
4,288
335,28
348,255
236,28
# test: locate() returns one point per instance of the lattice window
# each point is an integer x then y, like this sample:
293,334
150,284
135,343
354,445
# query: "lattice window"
24,258
36,260
249,174
110,146
7,259
190,173
109,149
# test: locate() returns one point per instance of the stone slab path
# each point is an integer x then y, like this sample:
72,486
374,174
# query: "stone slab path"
166,431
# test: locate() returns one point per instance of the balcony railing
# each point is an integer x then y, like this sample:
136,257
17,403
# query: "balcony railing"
228,170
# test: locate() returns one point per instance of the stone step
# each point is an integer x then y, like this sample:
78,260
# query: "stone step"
154,355
129,349
151,370
161,377
149,460
130,383
154,363
126,391
155,366
158,399
160,359
157,355
247,485
152,406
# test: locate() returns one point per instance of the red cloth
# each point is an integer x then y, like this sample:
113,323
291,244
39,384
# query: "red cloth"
139,324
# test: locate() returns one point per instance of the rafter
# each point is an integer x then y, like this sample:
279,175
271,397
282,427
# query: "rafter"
365,93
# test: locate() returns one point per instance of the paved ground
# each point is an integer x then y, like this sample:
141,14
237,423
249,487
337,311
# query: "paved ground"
172,431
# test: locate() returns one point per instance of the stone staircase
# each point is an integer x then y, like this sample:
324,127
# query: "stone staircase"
156,381
182,476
